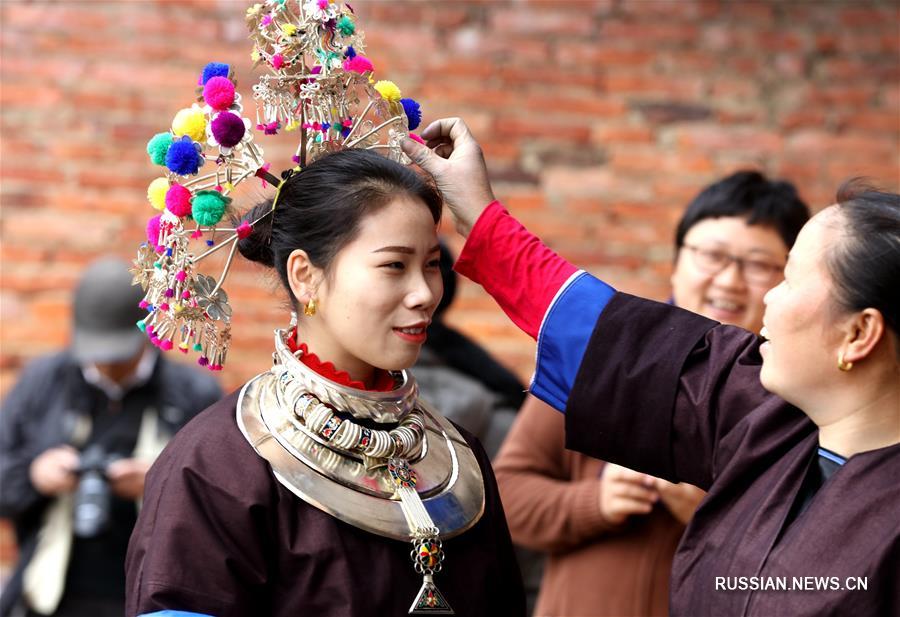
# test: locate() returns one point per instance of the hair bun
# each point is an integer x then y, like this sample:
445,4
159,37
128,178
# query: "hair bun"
257,246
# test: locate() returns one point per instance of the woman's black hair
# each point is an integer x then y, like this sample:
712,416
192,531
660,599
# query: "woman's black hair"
320,208
748,194
865,263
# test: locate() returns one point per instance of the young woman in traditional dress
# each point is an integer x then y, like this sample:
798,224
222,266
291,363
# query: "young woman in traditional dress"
325,486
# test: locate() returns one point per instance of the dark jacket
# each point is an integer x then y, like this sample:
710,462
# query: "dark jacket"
42,411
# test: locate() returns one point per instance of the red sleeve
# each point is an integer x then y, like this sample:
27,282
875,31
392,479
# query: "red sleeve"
513,266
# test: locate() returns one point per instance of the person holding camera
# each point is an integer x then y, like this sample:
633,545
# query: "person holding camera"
78,433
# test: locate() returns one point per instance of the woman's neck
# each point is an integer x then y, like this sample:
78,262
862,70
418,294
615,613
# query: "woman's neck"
347,371
873,420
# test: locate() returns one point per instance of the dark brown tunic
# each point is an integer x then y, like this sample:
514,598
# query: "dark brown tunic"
219,535
681,399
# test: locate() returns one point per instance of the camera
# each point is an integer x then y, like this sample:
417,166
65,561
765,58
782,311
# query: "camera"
93,497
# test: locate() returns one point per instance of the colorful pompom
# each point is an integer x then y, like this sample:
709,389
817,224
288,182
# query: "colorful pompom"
158,146
228,129
288,29
358,63
346,26
213,69
209,207
413,113
166,345
219,93
178,200
388,90
243,230
350,53
191,122
278,61
156,193
415,137
183,157
153,230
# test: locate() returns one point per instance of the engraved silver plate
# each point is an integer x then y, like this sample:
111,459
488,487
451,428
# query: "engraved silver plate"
450,481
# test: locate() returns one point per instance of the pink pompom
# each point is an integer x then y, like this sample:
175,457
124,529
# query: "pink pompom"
143,304
278,61
323,4
219,93
185,295
243,230
196,234
166,345
316,70
358,63
154,340
415,137
178,200
164,306
153,231
181,276
228,129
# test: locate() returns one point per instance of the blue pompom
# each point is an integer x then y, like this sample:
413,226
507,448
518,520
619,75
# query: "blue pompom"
413,113
183,157
213,69
350,53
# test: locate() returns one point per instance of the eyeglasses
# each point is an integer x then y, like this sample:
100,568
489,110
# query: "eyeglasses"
713,261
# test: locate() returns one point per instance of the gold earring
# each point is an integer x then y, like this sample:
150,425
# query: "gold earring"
843,366
310,309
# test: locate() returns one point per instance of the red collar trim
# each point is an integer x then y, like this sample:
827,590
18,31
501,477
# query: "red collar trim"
384,381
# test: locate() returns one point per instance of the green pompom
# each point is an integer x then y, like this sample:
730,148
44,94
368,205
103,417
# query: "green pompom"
158,146
141,326
208,207
346,26
197,347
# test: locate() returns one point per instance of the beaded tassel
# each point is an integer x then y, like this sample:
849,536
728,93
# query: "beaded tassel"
427,554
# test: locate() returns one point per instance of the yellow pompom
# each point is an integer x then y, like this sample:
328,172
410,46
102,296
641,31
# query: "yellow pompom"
156,193
289,29
191,122
292,125
388,90
254,55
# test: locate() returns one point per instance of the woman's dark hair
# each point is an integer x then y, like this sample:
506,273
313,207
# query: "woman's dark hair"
748,194
320,208
865,263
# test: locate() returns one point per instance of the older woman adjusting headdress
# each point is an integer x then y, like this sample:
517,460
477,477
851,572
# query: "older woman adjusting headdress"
325,485
796,439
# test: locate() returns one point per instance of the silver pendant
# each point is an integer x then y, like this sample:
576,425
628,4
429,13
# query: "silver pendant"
430,601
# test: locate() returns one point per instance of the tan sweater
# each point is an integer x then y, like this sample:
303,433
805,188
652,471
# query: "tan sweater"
552,501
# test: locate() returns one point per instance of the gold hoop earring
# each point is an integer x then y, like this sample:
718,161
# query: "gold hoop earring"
310,309
843,366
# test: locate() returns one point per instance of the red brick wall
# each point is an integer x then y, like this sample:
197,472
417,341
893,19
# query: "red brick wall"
600,121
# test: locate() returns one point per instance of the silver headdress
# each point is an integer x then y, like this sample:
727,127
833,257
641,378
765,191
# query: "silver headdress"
319,85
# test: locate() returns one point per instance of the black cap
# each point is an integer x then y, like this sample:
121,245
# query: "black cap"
105,313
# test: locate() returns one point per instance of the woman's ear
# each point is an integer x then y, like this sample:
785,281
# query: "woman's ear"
303,277
864,330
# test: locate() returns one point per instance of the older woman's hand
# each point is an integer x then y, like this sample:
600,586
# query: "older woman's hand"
455,160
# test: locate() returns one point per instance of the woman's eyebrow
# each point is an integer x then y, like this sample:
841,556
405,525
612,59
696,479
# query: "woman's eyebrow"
404,249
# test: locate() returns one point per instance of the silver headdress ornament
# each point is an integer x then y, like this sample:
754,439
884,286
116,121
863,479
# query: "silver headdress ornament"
318,85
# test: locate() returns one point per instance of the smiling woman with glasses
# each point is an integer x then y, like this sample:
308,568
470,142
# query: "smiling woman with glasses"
736,234
713,260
